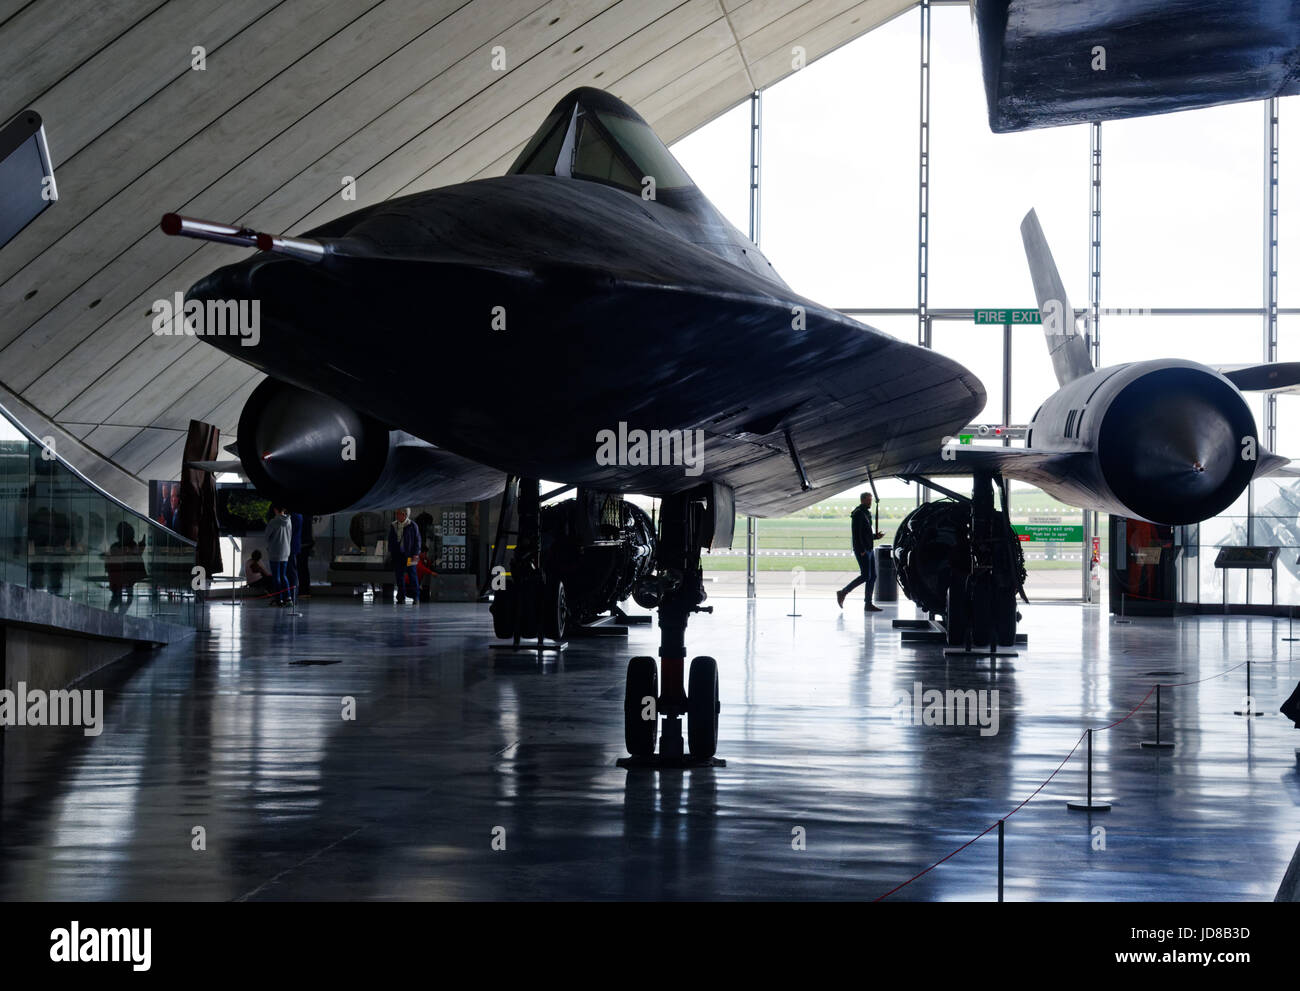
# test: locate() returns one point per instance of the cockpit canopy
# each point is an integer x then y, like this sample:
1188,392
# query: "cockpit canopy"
594,136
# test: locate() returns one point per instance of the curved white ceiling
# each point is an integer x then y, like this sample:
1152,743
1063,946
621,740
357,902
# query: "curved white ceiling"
297,94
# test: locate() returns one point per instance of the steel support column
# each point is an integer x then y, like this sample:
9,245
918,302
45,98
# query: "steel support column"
1094,246
923,337
1269,438
1091,520
1006,382
923,188
1270,262
755,216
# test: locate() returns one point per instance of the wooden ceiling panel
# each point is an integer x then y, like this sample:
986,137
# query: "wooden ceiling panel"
399,94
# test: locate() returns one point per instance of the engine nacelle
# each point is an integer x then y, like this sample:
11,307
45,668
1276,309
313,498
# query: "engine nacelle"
311,452
1168,441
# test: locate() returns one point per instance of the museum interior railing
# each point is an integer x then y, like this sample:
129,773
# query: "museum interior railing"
61,534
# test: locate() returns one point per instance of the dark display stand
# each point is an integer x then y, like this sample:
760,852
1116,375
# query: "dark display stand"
1143,575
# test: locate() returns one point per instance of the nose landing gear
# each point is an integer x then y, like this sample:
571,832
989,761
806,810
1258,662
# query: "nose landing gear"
678,590
643,705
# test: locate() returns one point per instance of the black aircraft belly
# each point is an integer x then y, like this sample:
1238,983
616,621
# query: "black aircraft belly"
615,319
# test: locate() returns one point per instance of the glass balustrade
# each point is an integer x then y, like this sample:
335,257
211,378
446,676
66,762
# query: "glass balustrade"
61,534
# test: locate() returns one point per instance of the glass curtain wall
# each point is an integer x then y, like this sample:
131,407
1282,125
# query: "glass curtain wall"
1183,206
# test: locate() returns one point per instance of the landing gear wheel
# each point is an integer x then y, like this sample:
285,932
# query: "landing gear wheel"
983,626
642,681
702,707
957,618
1006,616
503,613
530,622
555,613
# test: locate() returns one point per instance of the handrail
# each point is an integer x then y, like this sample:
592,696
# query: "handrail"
22,428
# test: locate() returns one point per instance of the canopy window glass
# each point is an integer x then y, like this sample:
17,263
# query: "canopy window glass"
601,146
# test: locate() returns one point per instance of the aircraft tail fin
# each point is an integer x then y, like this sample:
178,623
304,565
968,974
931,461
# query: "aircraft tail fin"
1068,348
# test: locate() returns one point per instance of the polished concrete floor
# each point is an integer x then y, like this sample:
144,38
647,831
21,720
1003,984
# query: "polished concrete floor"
455,746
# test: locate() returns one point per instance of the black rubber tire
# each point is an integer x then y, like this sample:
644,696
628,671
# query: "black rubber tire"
983,623
503,613
956,618
1005,615
555,611
702,707
642,680
530,622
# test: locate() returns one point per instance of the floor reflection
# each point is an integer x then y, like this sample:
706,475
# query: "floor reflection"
465,772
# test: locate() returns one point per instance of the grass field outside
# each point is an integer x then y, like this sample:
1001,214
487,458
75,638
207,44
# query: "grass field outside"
807,538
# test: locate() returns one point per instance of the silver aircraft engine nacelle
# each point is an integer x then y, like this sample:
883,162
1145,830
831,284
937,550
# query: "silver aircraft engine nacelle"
1171,441
310,452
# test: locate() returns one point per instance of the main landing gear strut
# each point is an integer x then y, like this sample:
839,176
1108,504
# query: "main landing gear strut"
677,589
960,558
533,604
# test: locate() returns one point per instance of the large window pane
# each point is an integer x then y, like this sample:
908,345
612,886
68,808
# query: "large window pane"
1211,340
717,158
1182,210
839,172
982,184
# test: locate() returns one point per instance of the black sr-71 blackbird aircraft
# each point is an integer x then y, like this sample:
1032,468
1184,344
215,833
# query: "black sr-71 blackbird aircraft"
624,339
1168,441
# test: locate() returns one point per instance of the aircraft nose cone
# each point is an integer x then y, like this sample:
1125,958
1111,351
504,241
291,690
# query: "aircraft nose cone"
228,283
1171,445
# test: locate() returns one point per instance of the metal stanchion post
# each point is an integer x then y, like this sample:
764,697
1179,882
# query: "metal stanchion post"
1249,709
1089,805
1290,627
1157,743
1123,601
1001,855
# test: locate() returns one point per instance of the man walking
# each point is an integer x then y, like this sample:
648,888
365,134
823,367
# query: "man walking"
864,536
404,549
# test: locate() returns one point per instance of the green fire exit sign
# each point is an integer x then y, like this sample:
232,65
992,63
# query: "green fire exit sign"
1008,316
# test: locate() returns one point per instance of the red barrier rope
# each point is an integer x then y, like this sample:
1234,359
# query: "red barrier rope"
1048,779
291,588
990,828
254,598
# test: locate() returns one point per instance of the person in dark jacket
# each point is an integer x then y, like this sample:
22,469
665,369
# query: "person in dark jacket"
864,536
124,564
404,549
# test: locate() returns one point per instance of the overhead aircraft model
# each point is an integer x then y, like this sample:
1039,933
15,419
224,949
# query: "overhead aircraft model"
596,322
1052,62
